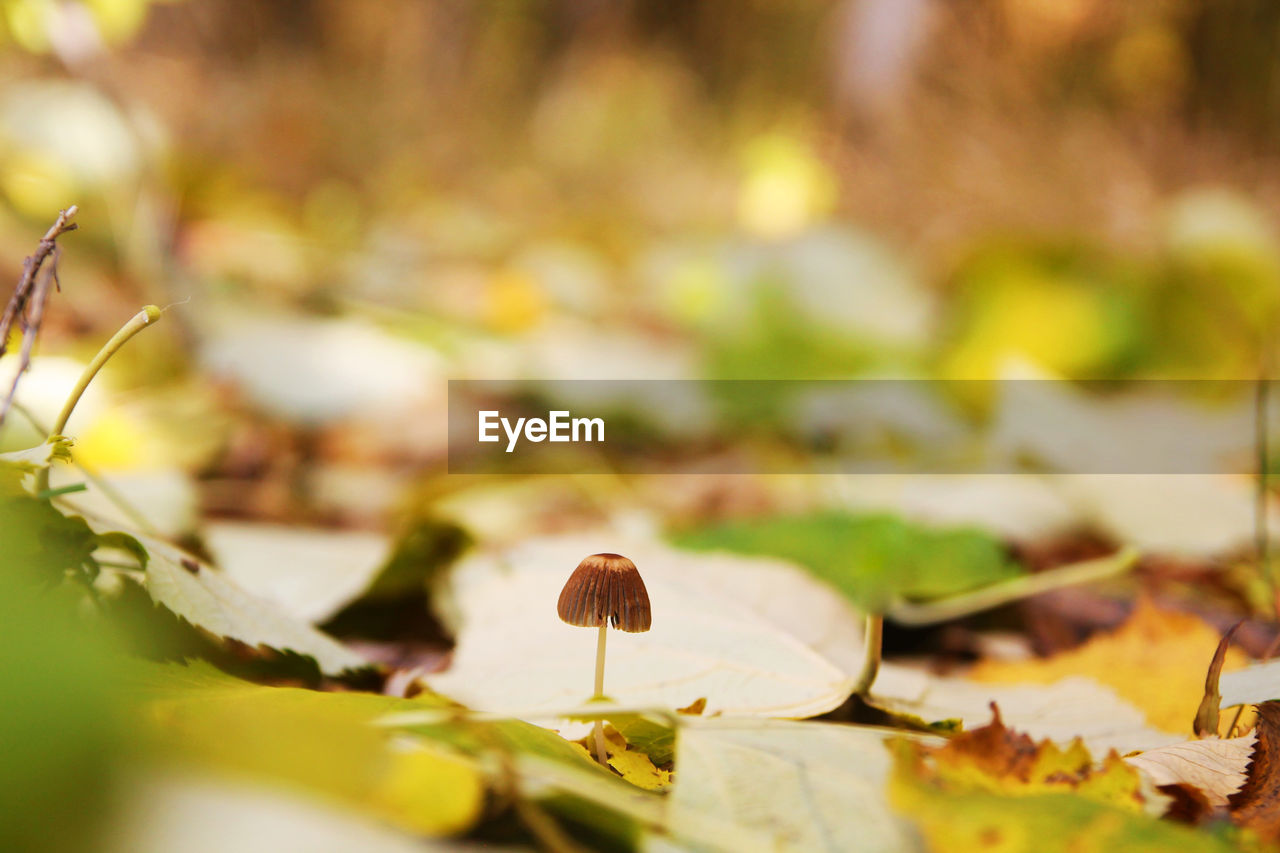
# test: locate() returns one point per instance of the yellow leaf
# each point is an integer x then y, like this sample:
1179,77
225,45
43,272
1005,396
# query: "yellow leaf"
1157,660
634,765
312,742
429,791
996,789
997,759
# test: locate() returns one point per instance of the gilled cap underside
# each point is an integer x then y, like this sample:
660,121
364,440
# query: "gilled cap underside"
606,586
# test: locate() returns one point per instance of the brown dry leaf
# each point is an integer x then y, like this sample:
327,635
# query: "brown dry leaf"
1257,804
1215,768
998,759
1157,660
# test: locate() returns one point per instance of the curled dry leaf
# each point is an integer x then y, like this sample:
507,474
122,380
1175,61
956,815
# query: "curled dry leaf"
1215,768
1256,805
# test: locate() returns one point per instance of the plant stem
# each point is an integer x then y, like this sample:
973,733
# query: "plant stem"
1013,589
873,640
597,731
137,323
1261,531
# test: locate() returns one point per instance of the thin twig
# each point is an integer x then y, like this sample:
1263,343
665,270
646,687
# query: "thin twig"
27,291
31,330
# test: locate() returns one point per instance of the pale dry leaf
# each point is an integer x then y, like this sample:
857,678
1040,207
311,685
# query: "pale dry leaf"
797,786
310,573
319,370
1014,506
1195,515
1217,768
1066,709
514,654
199,813
1257,683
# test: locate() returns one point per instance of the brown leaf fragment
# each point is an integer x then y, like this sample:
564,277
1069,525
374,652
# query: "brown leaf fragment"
994,749
1187,804
695,708
1257,804
1206,721
1216,768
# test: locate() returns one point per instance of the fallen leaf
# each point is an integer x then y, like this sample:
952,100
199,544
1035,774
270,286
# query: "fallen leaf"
313,741
198,813
872,559
998,759
1062,711
321,370
654,739
208,599
309,573
633,764
1012,506
1156,660
995,789
950,819
1215,768
1256,805
793,786
1252,685
1193,515
514,655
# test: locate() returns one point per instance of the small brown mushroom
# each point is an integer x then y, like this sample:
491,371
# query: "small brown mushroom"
605,589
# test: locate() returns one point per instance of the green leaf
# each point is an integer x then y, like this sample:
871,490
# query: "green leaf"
652,738
210,600
60,725
873,559
35,535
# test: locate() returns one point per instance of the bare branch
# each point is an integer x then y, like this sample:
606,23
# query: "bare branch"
30,296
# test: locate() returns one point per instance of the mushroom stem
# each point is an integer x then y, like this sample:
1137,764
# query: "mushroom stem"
597,730
871,661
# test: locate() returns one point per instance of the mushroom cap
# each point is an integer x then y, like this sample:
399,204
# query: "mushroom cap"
606,586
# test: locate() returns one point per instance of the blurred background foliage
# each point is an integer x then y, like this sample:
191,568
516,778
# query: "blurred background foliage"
348,203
